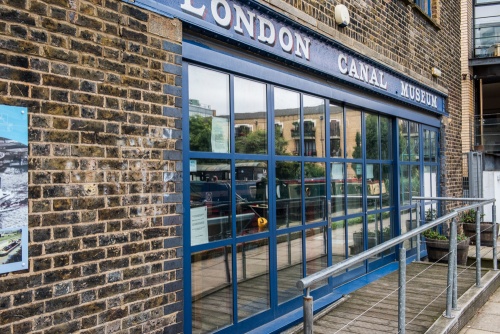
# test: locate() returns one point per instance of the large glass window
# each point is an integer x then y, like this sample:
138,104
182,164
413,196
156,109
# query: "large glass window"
487,28
263,167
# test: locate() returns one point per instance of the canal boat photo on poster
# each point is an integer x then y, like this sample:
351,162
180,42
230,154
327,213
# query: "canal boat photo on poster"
13,188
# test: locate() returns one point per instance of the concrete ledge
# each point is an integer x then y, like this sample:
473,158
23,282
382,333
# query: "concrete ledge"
468,305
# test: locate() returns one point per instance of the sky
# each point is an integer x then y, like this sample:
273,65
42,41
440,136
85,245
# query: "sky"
14,123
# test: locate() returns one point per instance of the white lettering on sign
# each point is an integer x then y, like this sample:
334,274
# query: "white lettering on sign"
244,22
361,71
418,95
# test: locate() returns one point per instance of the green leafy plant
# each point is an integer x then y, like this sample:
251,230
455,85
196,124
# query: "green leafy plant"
435,235
469,217
430,214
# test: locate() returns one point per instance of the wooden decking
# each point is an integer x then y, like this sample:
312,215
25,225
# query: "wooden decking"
372,314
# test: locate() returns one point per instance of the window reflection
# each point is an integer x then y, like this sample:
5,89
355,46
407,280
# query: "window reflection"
404,181
338,241
210,200
289,251
404,154
314,126
374,189
211,284
336,131
315,191
316,251
338,189
288,194
353,134
386,185
253,271
356,238
386,138
354,187
287,113
208,110
372,136
414,142
252,201
250,113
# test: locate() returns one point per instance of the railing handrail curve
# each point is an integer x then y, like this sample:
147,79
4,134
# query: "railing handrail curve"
326,273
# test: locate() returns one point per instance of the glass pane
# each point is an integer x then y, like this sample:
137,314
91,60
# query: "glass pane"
251,197
434,188
386,138
287,113
404,154
338,241
210,200
336,131
434,146
314,126
316,252
338,192
415,181
379,231
289,265
427,145
354,188
373,187
211,284
414,142
208,110
356,239
315,190
372,136
288,194
404,181
250,116
386,186
427,182
253,271
406,225
353,134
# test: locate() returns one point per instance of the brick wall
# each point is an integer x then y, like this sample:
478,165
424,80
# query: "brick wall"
397,33
101,80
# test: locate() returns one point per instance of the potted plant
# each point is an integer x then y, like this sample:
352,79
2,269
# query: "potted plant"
374,238
438,246
468,221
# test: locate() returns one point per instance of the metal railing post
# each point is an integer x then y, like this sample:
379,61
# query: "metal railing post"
478,248
454,263
495,236
452,254
402,291
308,313
418,236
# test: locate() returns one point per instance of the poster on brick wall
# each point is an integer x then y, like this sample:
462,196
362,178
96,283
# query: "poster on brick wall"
13,188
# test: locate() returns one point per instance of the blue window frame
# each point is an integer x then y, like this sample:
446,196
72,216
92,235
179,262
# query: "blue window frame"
425,5
262,166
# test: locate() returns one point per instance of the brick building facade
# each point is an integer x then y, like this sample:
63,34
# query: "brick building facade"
105,84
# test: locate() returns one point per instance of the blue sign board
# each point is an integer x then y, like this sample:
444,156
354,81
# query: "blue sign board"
261,28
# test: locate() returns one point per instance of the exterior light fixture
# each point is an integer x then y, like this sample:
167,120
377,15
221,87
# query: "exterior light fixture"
436,72
342,15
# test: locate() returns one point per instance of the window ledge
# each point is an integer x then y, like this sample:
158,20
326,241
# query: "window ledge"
431,20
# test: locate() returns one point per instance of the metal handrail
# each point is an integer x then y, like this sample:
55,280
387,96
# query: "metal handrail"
307,282
310,280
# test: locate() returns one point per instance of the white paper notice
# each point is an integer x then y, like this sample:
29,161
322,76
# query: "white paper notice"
220,135
199,227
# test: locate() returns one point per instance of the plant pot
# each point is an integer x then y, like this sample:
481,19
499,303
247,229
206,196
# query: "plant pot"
486,233
437,250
